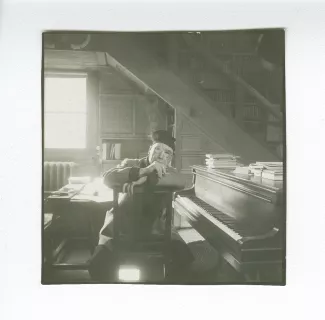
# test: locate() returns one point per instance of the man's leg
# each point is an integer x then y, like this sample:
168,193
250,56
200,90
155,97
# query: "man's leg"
101,264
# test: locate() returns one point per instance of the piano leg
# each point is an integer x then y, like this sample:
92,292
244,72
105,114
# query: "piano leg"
270,274
227,274
252,276
273,273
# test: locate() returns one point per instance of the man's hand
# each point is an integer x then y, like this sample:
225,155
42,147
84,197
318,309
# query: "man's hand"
123,164
158,167
128,187
128,163
155,166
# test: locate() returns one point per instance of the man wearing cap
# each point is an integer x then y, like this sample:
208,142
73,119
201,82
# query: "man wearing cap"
155,169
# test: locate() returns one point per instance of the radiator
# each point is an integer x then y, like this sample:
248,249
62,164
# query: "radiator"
56,175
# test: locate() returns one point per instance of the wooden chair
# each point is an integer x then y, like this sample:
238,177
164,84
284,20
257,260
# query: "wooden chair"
151,253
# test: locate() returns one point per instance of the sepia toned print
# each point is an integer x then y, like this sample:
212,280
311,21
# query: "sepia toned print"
164,157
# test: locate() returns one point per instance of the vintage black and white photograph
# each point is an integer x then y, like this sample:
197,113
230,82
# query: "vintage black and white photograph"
164,157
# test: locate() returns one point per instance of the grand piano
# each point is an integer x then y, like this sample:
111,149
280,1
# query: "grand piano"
242,217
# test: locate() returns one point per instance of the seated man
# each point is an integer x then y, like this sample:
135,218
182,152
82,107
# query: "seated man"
153,170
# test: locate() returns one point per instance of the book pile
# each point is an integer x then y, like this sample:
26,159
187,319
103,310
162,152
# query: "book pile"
221,161
242,170
256,169
111,151
268,170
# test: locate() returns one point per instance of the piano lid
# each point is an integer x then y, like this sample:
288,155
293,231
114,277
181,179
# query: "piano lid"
247,199
250,181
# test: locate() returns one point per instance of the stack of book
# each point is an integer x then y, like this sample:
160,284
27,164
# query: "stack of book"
272,170
256,169
221,161
268,170
242,170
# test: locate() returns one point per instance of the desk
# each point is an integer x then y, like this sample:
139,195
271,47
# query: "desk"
78,214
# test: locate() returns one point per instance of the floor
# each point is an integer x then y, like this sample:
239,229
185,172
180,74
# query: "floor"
203,269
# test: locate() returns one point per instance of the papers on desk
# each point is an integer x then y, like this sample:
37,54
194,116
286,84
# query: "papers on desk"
72,187
95,187
108,197
67,191
95,191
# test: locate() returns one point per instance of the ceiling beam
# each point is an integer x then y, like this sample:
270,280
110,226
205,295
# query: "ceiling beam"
126,73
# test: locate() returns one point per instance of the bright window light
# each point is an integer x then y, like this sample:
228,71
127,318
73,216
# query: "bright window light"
128,273
65,108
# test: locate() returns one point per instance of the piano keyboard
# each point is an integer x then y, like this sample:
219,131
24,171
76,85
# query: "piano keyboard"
226,223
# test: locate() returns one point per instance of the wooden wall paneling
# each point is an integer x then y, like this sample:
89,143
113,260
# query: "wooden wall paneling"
116,114
187,128
239,103
191,143
157,113
274,133
189,160
164,114
134,118
173,52
178,128
263,117
144,107
112,82
209,146
142,124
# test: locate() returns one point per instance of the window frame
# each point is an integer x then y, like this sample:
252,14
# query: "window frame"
65,154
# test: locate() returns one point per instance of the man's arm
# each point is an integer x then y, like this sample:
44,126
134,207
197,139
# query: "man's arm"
172,179
117,177
130,171
155,173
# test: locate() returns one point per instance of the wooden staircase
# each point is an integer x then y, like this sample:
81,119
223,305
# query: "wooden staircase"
130,56
252,89
249,106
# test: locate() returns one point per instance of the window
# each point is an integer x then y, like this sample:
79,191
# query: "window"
65,112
